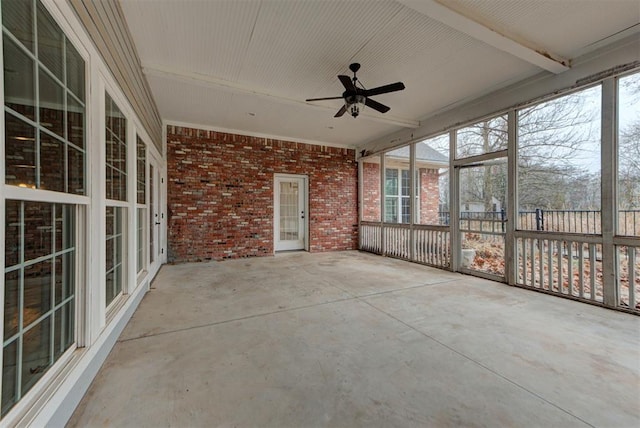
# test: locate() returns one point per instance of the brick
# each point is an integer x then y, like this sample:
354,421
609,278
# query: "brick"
239,219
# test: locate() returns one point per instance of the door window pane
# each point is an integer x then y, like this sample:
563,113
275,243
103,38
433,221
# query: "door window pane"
289,211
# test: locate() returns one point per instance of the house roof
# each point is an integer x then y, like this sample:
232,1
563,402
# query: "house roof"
424,153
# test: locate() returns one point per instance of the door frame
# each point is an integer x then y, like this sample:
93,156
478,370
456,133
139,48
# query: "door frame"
156,214
276,208
457,233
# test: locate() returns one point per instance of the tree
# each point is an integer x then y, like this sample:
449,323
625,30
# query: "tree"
558,148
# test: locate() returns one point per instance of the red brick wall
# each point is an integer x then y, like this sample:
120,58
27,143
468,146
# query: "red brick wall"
220,194
429,196
371,191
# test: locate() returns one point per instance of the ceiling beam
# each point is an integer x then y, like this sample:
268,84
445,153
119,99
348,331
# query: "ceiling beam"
214,82
484,33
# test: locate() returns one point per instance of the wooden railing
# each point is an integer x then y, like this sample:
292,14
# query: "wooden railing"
561,265
568,265
426,244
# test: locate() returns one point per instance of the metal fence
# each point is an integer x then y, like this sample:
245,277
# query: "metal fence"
564,221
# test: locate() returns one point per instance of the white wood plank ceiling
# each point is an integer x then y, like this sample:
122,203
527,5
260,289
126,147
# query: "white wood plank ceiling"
248,65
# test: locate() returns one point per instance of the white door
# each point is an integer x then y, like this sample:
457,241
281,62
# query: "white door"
290,201
156,216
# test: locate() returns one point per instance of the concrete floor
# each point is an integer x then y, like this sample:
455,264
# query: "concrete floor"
352,339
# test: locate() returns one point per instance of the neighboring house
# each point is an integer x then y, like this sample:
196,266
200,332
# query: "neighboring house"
429,165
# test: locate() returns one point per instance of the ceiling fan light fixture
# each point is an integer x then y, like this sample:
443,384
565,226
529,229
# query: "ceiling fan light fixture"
355,104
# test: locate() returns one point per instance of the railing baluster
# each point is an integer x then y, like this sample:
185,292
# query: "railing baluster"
525,271
533,263
541,262
581,270
550,264
570,268
560,265
592,270
631,268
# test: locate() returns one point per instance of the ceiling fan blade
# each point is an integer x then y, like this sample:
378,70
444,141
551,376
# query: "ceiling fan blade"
346,82
376,105
322,99
342,111
392,87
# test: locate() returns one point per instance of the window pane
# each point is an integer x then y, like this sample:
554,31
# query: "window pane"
391,209
50,42
75,122
51,104
483,137
141,226
116,151
406,186
113,255
11,303
64,329
9,376
432,181
406,210
51,163
37,291
559,164
19,83
38,230
371,189
76,171
20,145
65,276
32,291
65,232
391,182
629,155
36,353
17,17
75,71
12,246
140,171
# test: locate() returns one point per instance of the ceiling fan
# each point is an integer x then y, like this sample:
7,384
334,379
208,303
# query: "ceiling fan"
356,96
